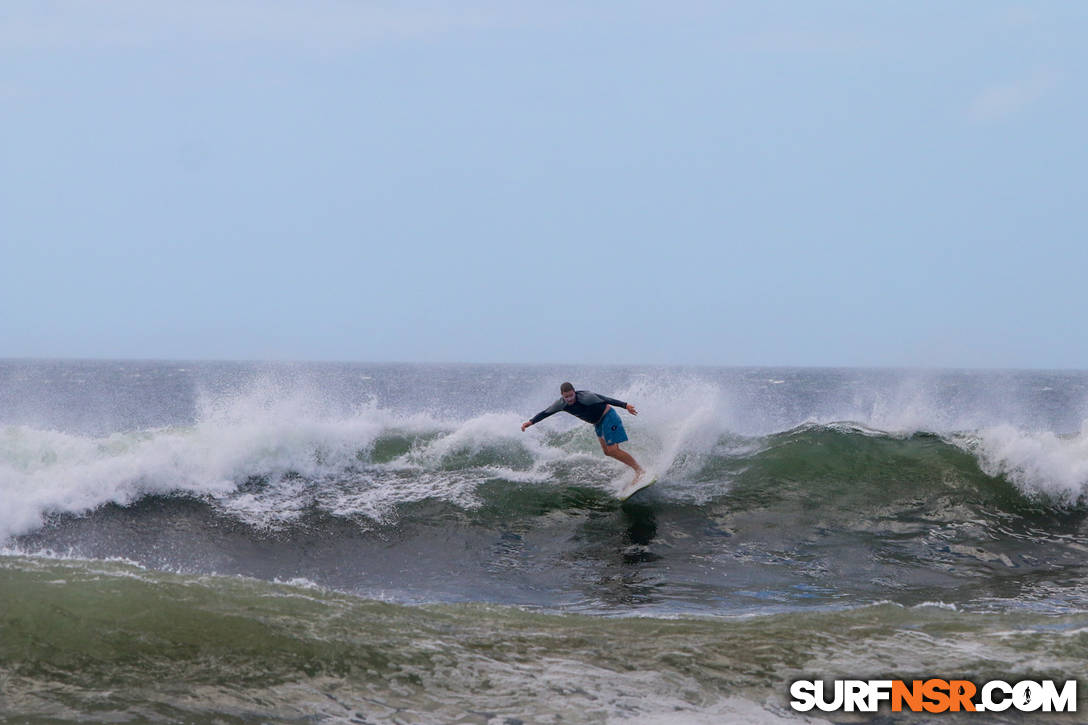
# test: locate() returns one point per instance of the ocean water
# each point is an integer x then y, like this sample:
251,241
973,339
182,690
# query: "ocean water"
354,543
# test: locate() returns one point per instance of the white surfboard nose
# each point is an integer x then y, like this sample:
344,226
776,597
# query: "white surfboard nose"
633,486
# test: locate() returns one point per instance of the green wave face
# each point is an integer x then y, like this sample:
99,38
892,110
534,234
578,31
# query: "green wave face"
847,477
100,641
821,468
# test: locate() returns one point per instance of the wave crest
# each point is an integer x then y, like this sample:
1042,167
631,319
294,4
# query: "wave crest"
268,458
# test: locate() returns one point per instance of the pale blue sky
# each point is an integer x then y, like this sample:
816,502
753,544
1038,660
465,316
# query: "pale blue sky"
756,183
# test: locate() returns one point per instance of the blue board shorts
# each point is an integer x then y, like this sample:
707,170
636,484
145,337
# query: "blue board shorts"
610,427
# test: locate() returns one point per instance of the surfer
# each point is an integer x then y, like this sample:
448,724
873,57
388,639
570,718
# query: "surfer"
596,409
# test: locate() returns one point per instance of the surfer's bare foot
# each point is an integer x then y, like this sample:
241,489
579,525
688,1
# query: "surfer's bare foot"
638,476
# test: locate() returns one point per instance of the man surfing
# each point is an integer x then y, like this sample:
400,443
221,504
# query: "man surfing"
596,409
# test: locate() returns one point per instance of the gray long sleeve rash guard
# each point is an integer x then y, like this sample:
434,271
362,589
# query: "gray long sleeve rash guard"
587,406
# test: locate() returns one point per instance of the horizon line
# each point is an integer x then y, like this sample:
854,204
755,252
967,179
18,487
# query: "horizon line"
436,363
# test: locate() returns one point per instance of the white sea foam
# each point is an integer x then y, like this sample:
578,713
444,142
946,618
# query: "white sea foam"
262,432
1038,462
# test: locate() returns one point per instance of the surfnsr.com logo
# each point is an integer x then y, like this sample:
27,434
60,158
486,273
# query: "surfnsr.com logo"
933,695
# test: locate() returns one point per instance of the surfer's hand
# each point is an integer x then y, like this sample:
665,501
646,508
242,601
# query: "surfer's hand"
525,425
631,409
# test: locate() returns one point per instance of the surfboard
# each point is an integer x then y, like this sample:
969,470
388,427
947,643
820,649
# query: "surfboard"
630,489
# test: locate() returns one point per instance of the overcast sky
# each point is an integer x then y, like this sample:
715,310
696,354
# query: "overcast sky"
716,183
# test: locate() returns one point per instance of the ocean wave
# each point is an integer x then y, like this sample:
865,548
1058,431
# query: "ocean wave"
270,458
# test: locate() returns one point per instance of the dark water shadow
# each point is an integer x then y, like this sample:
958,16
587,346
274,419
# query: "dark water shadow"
640,521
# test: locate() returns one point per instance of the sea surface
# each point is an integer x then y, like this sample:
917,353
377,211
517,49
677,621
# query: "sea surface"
361,543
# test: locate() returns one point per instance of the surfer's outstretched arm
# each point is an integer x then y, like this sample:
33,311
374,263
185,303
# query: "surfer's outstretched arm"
618,403
550,410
